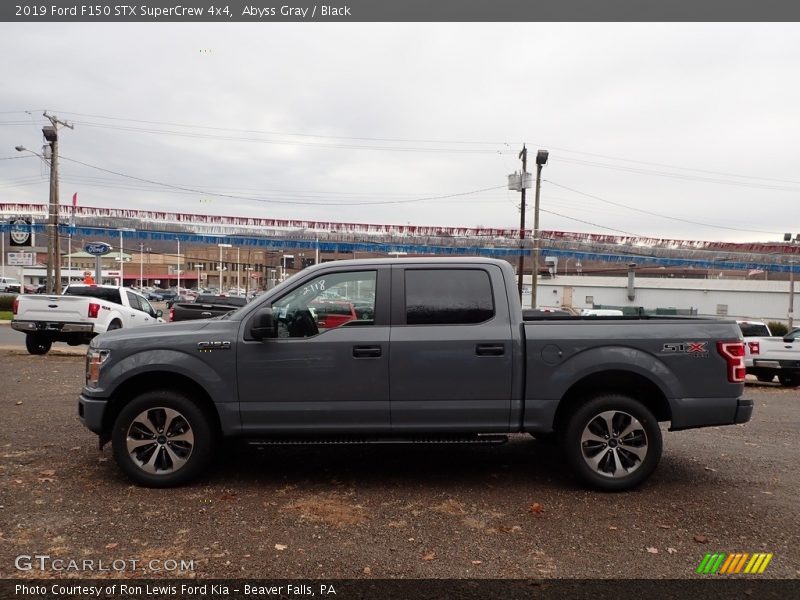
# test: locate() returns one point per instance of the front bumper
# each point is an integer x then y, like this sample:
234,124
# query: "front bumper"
51,327
691,413
91,412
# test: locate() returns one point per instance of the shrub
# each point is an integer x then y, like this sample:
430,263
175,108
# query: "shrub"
6,300
777,328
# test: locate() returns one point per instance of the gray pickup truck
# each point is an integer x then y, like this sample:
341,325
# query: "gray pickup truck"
437,352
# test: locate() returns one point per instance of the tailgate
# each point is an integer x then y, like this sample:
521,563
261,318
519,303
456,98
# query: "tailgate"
61,309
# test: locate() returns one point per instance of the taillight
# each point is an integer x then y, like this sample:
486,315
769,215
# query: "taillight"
733,353
94,309
755,347
15,305
171,314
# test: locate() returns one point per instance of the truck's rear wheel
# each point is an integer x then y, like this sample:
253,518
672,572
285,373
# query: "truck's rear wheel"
613,442
37,344
789,379
162,439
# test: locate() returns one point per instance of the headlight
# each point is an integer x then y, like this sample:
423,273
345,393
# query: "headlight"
94,360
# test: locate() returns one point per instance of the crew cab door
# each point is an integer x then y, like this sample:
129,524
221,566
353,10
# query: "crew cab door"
320,375
451,351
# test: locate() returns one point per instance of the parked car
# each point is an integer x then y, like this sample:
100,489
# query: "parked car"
180,298
80,314
767,356
329,314
447,358
205,307
155,296
9,285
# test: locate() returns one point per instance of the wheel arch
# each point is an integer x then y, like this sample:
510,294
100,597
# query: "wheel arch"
616,381
150,381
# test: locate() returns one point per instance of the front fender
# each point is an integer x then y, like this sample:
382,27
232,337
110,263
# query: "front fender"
206,373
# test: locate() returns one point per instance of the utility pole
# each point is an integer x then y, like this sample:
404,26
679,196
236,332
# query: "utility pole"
54,245
541,160
521,265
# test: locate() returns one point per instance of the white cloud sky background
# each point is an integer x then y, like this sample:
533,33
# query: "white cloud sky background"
721,98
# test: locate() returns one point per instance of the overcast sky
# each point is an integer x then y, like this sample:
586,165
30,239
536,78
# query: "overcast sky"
406,123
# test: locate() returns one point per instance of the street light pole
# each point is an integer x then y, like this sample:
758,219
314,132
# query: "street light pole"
141,266
121,256
787,237
541,160
221,246
179,265
238,271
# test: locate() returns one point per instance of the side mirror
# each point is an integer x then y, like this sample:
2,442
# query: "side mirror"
263,326
159,313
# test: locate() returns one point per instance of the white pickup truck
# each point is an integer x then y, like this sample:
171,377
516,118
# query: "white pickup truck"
767,356
80,314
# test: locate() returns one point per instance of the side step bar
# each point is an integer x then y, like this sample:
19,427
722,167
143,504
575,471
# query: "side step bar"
346,440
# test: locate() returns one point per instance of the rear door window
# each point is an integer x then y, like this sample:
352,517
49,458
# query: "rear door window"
448,296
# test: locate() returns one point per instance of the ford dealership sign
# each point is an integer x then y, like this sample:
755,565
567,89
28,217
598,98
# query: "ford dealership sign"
97,248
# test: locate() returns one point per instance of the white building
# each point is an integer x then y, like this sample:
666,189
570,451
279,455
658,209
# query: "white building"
757,299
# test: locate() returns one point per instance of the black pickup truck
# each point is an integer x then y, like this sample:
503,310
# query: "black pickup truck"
442,355
205,307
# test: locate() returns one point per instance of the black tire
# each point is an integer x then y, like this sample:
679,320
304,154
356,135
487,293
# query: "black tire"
765,378
38,344
114,325
150,463
789,379
625,461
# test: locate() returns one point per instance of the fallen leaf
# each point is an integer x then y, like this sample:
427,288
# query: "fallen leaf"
111,546
612,528
671,550
664,526
429,556
19,402
652,550
700,539
280,547
367,571
710,469
46,480
49,472
477,562
536,508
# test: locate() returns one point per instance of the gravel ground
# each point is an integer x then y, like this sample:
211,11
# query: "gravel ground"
383,512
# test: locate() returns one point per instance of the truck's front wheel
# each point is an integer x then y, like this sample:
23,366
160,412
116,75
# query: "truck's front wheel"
613,442
162,439
37,344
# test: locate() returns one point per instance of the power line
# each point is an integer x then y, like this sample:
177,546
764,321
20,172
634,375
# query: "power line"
655,214
276,201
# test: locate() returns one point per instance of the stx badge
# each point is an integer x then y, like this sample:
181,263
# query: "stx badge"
697,349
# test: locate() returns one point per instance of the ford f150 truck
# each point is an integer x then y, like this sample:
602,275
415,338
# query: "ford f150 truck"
443,355
79,315
767,356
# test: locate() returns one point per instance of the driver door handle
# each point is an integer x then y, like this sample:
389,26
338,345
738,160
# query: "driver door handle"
366,351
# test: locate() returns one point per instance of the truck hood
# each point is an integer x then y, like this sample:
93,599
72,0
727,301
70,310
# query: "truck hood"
151,334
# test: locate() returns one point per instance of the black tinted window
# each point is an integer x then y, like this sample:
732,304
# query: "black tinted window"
448,296
109,294
754,330
133,300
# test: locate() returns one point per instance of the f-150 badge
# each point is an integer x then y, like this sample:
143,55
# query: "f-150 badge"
209,346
